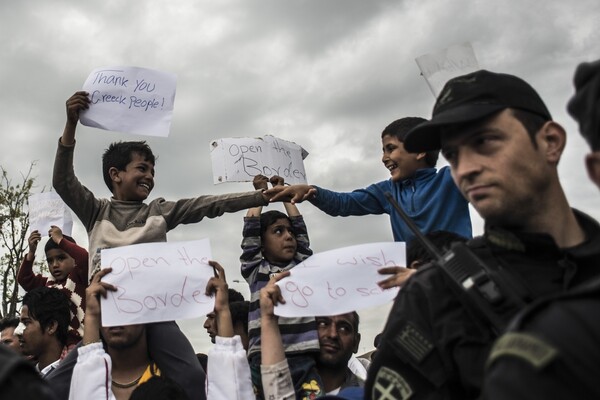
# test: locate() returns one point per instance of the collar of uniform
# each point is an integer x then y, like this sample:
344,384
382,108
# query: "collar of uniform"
518,241
420,174
521,241
591,228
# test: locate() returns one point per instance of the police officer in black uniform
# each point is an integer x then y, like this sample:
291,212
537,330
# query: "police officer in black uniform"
552,349
503,149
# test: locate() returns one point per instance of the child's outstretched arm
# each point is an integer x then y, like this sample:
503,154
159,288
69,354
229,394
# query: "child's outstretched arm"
79,101
251,242
294,193
290,208
26,278
260,183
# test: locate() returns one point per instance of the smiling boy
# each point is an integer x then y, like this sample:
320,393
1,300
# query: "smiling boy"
126,219
428,196
128,171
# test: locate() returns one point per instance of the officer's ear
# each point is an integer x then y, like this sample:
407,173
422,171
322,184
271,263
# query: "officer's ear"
552,139
592,163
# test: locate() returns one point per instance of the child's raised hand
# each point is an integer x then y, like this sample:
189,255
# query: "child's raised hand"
217,285
79,101
293,194
96,289
260,182
55,234
34,239
276,180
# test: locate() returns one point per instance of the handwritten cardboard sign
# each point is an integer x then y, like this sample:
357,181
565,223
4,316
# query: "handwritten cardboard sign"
439,67
47,209
130,99
157,282
241,159
340,281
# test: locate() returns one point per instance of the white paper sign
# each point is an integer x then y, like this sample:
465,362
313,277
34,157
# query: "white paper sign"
241,159
157,282
439,67
47,209
340,281
130,99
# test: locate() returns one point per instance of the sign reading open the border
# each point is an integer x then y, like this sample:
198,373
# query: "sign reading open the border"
241,159
157,282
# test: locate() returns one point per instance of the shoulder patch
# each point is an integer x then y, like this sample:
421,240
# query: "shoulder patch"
413,341
390,385
524,346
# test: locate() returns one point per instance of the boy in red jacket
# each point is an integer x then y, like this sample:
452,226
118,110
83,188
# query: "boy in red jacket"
68,265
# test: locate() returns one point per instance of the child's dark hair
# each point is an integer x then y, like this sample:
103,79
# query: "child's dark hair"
119,154
400,127
46,305
51,244
8,322
269,218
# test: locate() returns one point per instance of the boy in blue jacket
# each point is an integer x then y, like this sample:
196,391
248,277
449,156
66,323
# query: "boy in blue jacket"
429,197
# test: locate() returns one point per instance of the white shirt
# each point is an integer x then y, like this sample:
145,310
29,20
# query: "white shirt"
228,372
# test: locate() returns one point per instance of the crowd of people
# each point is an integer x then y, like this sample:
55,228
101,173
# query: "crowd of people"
507,315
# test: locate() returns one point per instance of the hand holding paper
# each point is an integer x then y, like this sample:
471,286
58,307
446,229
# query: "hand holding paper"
130,99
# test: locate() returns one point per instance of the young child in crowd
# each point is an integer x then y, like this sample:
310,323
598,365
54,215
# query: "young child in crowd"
429,197
68,265
125,219
274,242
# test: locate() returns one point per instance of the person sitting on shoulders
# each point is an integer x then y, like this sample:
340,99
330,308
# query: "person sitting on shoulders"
429,197
68,265
274,242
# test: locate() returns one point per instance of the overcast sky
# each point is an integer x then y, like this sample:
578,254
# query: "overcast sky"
328,75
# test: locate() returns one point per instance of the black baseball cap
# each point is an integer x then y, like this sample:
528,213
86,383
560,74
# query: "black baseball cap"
472,97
